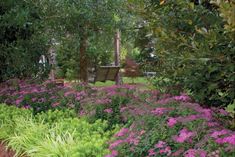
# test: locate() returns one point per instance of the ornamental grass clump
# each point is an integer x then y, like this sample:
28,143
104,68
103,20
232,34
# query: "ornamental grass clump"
45,134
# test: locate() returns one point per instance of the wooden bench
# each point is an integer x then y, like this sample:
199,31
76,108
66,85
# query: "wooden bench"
59,82
105,73
150,74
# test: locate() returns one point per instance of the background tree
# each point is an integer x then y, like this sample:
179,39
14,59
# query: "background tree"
81,30
195,51
83,21
21,41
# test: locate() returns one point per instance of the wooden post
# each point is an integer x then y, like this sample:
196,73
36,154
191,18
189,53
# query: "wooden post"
52,61
117,54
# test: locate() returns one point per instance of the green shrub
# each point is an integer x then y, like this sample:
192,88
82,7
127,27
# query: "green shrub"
70,137
196,49
53,133
53,116
111,112
166,85
8,117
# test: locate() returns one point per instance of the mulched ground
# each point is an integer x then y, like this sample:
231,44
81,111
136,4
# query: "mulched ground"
4,152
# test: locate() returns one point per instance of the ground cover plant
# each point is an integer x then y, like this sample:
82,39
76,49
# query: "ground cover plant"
150,123
54,133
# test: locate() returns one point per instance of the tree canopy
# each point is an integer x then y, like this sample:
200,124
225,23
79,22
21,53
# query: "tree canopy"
194,44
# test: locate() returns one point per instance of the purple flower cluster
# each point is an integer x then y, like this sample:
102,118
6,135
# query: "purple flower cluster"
108,110
38,95
171,122
195,153
224,136
160,111
160,148
184,136
182,97
122,132
126,136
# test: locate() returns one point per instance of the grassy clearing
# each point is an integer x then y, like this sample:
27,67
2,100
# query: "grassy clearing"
126,80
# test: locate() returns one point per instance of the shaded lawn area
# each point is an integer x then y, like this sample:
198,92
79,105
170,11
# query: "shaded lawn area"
127,80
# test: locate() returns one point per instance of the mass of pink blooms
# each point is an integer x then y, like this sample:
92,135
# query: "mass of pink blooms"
195,153
184,135
171,122
183,138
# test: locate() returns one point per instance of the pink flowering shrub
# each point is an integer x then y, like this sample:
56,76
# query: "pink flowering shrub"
160,111
184,135
152,124
171,122
42,97
122,132
195,153
110,111
182,97
175,129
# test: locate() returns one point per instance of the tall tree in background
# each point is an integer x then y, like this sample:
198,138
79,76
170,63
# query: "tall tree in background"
81,29
82,20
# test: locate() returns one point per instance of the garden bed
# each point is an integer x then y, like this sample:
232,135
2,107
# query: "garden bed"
134,122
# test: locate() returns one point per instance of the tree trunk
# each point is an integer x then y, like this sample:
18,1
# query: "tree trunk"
83,59
117,54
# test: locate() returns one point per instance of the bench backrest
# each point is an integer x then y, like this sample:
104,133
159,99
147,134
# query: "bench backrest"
106,73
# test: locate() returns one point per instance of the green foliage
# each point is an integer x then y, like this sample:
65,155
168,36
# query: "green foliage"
21,41
51,117
26,135
231,108
54,133
166,85
231,111
67,58
226,9
194,49
77,22
8,116
30,28
111,112
145,43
